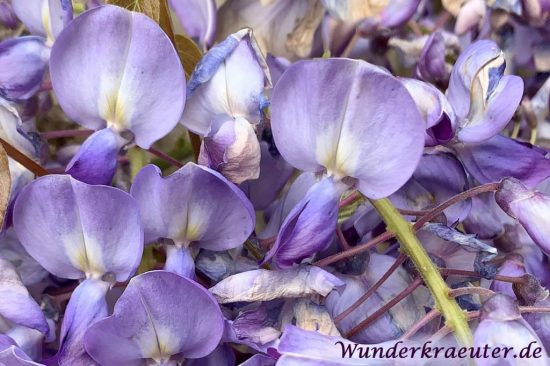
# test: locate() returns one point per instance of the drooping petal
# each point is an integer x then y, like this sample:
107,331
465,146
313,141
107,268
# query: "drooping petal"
198,18
304,348
309,227
231,147
333,113
160,314
45,18
17,305
274,174
11,129
86,230
481,96
96,160
229,79
141,90
23,66
265,285
501,325
440,118
431,65
530,208
388,327
499,157
195,204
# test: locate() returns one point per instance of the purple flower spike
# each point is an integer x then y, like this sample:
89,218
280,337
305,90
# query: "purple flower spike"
23,65
229,79
45,18
159,317
309,227
481,96
7,15
431,65
194,206
530,208
96,160
501,325
88,230
333,115
141,90
500,157
17,305
231,147
441,121
198,18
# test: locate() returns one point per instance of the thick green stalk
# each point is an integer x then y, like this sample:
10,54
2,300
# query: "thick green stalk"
455,318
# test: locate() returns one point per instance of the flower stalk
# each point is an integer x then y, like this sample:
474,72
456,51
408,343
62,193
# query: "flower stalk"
455,318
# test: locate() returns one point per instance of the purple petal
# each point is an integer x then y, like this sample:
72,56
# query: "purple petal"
87,230
440,118
141,90
45,18
265,285
229,79
160,314
195,204
29,340
502,325
223,355
337,36
482,219
530,208
398,12
23,65
352,112
257,326
444,177
431,64
86,307
259,360
277,66
198,18
481,96
231,147
96,160
388,327
309,227
541,323
17,305
180,261
14,356
513,267
275,172
296,193
13,131
470,16
500,157
7,15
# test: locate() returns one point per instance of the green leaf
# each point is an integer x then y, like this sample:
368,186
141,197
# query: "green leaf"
189,54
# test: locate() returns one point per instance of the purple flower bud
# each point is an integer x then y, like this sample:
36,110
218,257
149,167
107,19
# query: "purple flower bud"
530,208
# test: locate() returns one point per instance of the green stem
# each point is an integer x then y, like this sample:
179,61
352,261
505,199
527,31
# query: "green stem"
455,318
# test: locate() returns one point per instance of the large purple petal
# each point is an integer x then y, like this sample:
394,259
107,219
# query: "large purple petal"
229,79
74,230
17,305
499,157
198,18
309,227
128,76
160,314
334,114
23,65
195,204
96,160
265,285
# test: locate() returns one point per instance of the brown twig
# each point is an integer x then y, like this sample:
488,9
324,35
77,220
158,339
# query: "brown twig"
434,313
24,159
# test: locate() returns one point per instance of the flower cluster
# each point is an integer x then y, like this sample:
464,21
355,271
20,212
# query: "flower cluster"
273,182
